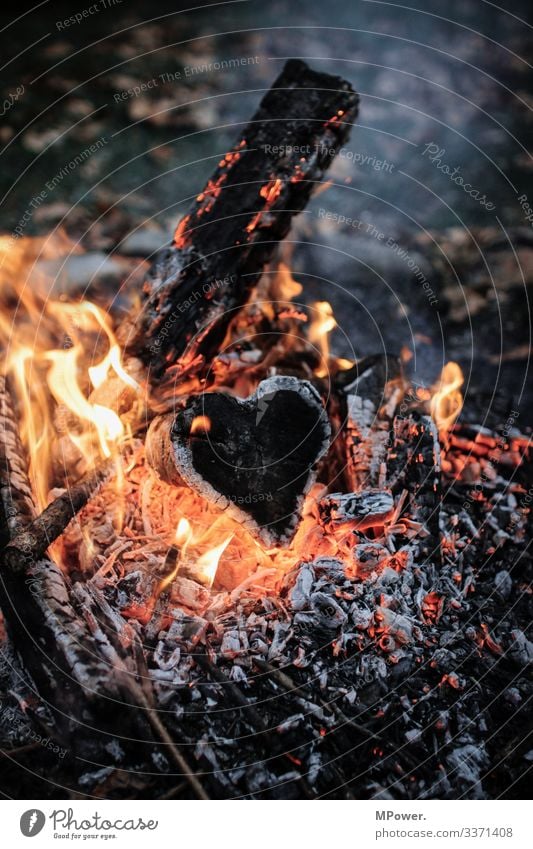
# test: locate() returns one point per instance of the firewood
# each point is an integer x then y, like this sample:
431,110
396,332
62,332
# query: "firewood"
48,635
196,286
359,510
16,500
254,457
369,393
84,660
67,666
414,464
31,542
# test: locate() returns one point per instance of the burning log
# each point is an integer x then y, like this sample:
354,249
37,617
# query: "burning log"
48,634
82,657
222,245
31,542
77,675
255,457
16,500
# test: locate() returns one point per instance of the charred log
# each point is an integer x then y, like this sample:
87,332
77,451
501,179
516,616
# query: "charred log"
222,245
369,393
81,657
414,464
47,633
254,457
16,500
31,542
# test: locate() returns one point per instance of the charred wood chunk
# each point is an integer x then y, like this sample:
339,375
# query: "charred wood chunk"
365,443
414,464
369,557
221,246
370,393
255,457
359,510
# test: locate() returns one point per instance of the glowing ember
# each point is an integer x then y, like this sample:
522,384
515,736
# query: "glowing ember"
447,401
173,556
272,190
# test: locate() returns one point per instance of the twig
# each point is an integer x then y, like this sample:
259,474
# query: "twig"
177,756
174,791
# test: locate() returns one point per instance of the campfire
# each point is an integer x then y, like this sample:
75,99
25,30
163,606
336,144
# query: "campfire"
258,560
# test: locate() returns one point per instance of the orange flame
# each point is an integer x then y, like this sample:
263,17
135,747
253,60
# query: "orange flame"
201,424
447,401
343,364
183,533
49,358
207,564
321,326
202,567
284,287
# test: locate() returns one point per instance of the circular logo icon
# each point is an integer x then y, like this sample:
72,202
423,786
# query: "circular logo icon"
32,822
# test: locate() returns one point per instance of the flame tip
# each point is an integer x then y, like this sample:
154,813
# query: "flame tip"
447,400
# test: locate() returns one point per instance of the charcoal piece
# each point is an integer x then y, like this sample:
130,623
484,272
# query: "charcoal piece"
220,248
327,610
414,464
361,510
255,457
369,394
301,590
369,557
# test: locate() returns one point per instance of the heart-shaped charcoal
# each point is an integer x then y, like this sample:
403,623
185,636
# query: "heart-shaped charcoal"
255,457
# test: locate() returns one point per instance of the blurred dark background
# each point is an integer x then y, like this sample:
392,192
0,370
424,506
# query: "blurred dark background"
455,76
